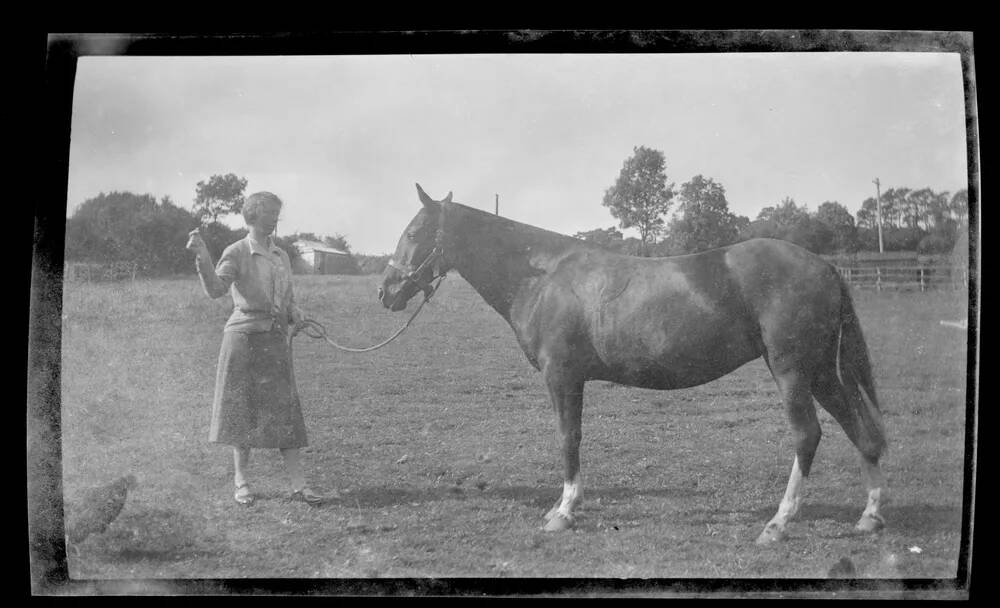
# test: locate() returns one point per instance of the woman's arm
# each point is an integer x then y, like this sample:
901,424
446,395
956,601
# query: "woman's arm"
295,314
214,285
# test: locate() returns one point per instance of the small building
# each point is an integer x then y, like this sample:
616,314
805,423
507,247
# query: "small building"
317,258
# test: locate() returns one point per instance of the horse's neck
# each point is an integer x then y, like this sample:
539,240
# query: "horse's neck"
498,257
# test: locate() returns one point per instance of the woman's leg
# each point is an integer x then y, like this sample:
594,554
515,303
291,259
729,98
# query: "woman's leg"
241,457
297,478
293,466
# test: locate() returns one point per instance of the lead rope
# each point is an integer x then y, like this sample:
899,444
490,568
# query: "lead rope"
314,329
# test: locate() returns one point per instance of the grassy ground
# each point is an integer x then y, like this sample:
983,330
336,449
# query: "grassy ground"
444,447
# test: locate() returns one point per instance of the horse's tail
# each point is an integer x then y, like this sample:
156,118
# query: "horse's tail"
854,370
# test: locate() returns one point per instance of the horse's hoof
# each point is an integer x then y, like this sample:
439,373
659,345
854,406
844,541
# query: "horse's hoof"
771,534
558,523
870,523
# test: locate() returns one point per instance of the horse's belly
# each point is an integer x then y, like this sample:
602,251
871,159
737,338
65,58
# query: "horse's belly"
671,374
676,361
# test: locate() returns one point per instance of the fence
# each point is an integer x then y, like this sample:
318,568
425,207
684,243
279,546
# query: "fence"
906,277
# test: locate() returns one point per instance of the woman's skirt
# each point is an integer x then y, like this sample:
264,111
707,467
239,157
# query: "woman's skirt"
256,403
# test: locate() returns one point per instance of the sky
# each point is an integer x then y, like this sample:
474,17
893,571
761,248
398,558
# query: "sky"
343,139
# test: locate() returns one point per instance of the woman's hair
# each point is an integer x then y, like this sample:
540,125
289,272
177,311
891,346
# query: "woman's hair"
251,208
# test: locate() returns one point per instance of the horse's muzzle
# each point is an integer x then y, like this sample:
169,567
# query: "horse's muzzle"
392,300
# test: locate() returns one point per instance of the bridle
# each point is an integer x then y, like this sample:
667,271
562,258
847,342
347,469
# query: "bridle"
414,276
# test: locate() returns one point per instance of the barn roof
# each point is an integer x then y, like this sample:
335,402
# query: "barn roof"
304,246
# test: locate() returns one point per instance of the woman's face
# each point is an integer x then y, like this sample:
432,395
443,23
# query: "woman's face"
267,217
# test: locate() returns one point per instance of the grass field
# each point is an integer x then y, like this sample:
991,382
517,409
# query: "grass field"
444,447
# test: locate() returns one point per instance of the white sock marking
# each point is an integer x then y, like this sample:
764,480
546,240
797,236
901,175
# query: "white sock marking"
789,505
875,482
572,493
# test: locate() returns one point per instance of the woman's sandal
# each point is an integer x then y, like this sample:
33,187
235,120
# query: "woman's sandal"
309,497
243,495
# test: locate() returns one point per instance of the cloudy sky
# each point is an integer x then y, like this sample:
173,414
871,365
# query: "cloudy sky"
343,139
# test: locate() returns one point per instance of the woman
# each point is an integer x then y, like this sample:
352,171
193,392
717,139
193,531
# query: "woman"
256,403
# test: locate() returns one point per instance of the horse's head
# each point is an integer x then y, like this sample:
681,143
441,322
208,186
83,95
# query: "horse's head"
419,257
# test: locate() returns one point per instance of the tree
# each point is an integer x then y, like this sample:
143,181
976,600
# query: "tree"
127,227
372,264
337,241
102,229
959,205
163,234
868,214
919,207
777,221
633,246
934,244
867,239
938,211
610,238
221,195
894,207
640,197
813,235
306,236
839,220
791,222
901,239
704,220
218,236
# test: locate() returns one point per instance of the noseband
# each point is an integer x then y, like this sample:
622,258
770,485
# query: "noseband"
414,276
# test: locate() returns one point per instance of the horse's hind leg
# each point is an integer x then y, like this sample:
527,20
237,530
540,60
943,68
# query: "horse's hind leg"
848,409
806,432
567,399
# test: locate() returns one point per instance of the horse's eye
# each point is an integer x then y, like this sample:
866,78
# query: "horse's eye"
411,235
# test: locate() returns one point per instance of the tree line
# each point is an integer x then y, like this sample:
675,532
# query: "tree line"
118,227
912,220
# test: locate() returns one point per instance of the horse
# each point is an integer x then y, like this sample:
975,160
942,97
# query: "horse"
581,312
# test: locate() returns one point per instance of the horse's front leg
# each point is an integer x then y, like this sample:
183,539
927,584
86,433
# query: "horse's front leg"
566,392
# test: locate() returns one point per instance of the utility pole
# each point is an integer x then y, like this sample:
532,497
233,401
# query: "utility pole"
878,206
496,210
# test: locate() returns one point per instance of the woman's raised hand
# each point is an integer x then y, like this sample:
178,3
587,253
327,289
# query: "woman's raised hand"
195,242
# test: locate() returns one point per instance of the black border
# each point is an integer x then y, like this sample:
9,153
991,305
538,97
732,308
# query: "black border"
47,566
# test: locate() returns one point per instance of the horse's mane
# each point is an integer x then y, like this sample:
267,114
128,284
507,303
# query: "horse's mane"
531,233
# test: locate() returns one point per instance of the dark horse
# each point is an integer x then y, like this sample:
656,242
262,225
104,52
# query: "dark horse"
583,313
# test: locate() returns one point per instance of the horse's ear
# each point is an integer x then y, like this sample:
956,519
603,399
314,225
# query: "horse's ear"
447,199
426,200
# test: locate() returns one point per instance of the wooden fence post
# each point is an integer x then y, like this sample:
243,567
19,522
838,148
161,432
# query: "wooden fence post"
878,278
921,278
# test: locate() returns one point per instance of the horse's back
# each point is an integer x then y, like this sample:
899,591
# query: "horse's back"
676,321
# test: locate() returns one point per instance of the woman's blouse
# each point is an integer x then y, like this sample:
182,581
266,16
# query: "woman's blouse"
260,282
